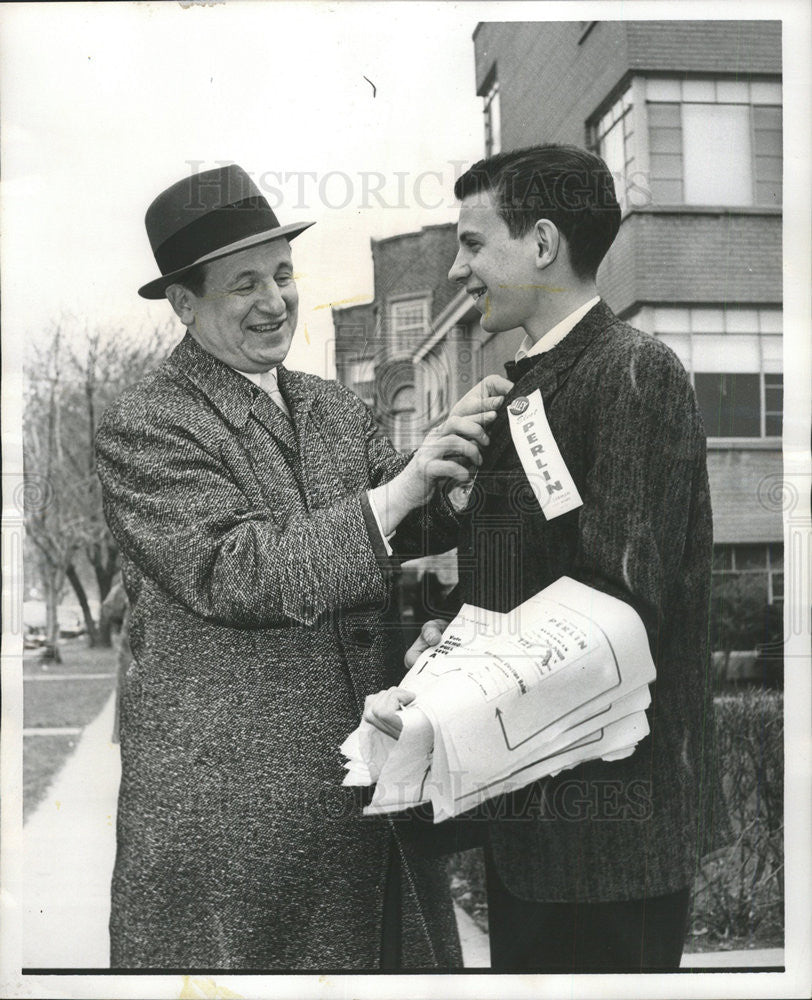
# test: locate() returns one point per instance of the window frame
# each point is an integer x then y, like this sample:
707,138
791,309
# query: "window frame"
491,99
760,94
769,324
772,569
622,110
397,332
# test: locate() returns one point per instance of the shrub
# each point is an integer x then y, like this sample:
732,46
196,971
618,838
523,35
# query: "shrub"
739,893
740,618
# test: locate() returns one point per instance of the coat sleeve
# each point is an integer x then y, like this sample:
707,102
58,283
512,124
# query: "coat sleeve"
428,530
647,453
183,520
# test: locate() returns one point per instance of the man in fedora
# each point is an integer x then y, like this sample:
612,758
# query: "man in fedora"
260,516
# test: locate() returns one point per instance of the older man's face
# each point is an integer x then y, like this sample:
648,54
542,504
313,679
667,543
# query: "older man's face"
247,314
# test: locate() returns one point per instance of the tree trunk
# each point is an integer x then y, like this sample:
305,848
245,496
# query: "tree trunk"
79,590
104,637
50,651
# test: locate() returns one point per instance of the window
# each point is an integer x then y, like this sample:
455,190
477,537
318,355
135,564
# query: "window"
402,413
714,142
773,405
733,356
362,379
435,382
612,141
493,120
408,321
762,564
730,403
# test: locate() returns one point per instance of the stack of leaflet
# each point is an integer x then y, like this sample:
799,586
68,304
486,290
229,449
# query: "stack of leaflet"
506,699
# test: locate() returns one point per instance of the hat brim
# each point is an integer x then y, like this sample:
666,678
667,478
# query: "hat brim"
157,289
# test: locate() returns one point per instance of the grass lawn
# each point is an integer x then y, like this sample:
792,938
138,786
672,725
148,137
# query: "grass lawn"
59,702
43,757
76,659
64,702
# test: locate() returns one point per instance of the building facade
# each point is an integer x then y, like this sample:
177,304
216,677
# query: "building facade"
687,115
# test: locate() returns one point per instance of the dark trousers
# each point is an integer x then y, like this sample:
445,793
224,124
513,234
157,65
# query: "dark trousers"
628,936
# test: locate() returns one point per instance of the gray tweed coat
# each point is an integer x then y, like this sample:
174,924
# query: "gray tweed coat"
259,585
624,415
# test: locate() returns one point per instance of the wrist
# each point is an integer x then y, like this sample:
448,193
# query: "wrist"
395,499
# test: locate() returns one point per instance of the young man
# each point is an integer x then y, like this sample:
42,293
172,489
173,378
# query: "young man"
253,505
590,871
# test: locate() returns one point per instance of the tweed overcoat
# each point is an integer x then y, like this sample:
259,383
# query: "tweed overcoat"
624,415
258,584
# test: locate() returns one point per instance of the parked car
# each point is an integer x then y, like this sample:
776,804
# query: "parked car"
71,622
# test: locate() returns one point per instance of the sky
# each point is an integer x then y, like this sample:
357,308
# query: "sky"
358,116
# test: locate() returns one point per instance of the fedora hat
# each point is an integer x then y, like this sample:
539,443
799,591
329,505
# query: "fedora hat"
207,216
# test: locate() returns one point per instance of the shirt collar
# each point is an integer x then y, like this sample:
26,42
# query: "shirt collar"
256,377
527,349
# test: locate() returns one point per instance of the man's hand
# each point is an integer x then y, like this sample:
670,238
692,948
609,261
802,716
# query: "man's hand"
485,398
449,452
382,710
454,449
430,635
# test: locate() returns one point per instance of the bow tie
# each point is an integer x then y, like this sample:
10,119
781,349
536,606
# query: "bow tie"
516,369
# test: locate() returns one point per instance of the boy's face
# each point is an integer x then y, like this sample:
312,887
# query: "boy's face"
498,271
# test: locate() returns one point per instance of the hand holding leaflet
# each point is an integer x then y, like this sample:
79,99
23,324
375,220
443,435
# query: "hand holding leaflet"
505,699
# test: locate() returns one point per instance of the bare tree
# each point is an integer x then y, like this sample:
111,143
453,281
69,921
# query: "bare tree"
69,383
49,523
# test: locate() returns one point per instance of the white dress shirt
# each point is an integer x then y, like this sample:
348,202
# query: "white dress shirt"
267,381
527,349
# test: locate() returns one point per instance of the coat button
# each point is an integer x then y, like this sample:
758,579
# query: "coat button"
362,637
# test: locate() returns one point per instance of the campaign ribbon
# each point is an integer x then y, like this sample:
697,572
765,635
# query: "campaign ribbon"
548,475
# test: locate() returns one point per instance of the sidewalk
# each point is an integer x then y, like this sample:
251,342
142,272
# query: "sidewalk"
68,855
69,850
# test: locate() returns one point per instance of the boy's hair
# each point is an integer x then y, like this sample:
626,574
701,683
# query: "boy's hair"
567,185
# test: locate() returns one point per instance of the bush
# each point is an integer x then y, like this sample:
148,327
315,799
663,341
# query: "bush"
738,896
740,618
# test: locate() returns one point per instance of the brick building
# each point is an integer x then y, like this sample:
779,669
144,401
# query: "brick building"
688,117
375,342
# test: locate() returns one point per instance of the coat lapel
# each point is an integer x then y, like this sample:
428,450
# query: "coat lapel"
549,374
234,396
231,394
299,396
322,466
274,420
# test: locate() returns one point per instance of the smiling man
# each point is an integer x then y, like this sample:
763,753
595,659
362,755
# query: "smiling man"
593,873
591,870
259,515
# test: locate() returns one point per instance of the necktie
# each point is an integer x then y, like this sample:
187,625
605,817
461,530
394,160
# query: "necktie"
515,369
268,383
